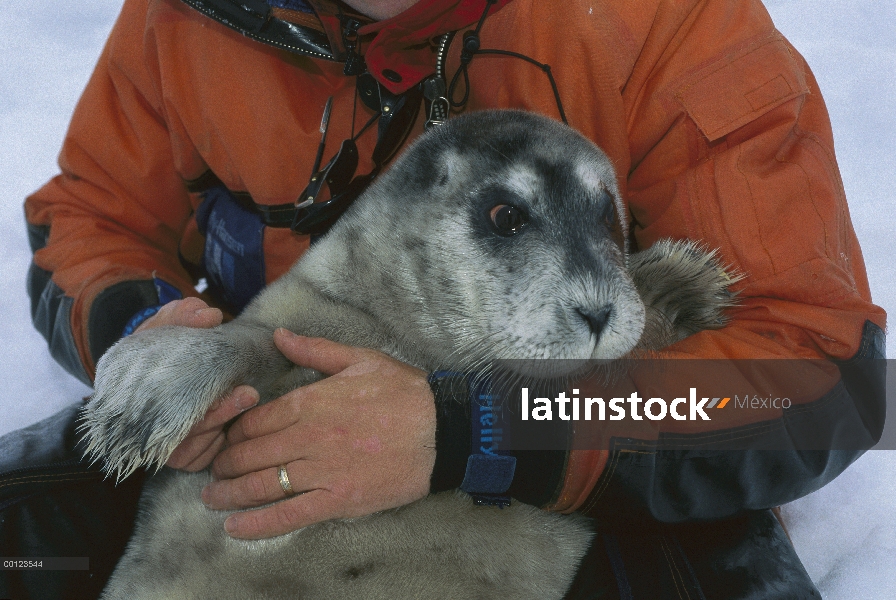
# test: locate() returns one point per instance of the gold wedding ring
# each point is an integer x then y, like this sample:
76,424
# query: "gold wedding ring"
284,481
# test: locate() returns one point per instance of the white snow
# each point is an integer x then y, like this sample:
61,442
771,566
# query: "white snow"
845,533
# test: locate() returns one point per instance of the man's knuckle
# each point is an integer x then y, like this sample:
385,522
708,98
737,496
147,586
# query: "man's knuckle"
291,514
239,459
248,424
342,491
252,522
223,467
258,488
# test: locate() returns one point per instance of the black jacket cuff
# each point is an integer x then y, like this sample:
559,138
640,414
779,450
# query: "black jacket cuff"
538,475
453,430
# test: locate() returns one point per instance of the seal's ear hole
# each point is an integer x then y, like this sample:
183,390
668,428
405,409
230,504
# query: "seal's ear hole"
508,219
607,208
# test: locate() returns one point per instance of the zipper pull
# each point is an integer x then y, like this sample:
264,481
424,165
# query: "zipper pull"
434,91
354,62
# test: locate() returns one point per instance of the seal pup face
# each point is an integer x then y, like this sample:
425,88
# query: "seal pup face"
494,236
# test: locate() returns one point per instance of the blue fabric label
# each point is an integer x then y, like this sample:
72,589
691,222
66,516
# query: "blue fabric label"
490,434
233,259
490,467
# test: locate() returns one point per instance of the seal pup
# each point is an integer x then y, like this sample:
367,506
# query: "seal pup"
497,235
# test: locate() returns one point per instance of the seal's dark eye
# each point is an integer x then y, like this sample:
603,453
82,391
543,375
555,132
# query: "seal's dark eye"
508,219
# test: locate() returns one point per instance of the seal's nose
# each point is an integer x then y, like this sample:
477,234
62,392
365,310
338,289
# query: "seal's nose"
596,320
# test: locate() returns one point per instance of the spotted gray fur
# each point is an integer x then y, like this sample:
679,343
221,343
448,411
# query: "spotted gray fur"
428,281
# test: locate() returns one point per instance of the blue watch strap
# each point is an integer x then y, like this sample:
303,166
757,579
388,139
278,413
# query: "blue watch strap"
135,321
471,438
490,466
488,474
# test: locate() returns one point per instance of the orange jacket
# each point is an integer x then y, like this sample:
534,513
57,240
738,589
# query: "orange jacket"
715,124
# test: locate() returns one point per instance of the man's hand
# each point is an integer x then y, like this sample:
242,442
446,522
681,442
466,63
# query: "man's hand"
360,441
189,312
206,438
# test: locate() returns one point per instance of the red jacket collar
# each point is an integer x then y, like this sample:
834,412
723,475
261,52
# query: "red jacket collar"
402,44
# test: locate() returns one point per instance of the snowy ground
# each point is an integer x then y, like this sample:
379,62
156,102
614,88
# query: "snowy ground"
845,533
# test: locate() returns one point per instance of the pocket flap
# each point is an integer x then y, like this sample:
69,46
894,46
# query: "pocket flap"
739,88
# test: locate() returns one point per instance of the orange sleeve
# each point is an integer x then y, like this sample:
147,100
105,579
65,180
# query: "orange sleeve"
731,145
116,212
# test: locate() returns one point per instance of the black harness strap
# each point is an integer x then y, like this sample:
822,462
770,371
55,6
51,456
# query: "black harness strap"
272,215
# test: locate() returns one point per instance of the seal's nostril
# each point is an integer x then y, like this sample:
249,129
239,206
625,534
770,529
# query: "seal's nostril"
596,320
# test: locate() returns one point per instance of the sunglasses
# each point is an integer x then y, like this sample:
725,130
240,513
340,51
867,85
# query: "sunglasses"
395,117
